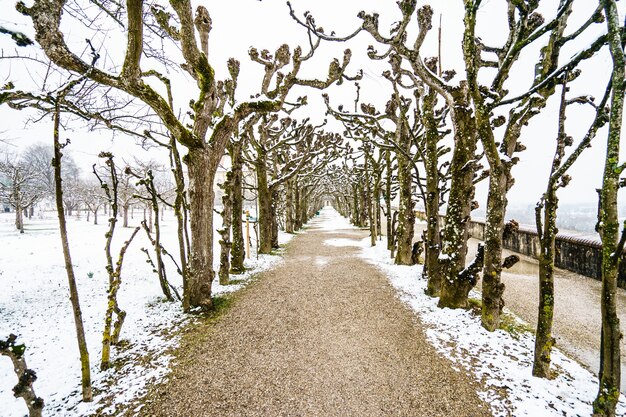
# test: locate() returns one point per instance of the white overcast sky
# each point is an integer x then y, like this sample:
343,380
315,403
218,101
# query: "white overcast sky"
240,24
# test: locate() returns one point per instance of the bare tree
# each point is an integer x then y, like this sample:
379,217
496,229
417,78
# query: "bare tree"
608,224
72,186
465,162
38,156
281,149
69,267
215,114
19,187
92,198
25,376
546,223
126,194
145,178
526,26
111,333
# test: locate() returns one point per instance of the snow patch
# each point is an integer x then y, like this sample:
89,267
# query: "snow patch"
321,260
34,305
343,242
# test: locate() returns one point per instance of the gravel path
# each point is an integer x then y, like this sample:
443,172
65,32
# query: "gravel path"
320,335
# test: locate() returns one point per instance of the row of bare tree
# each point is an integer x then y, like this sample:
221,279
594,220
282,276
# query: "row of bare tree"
287,155
26,181
486,123
428,143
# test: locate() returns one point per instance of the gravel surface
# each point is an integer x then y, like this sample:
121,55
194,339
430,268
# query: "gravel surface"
323,334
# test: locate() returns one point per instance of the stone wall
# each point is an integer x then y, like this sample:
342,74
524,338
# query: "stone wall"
573,253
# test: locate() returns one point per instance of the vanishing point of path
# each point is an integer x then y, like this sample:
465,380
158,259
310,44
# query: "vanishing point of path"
322,334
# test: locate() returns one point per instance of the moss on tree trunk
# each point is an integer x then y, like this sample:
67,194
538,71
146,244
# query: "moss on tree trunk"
544,341
237,254
69,268
433,197
201,197
493,288
406,214
455,290
264,219
609,389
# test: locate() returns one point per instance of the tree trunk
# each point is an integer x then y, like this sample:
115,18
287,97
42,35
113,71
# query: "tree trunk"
201,197
609,389
95,216
304,215
69,268
432,244
543,339
493,288
19,217
225,243
181,219
390,244
296,197
406,214
369,198
289,223
355,206
456,287
150,219
238,253
165,287
379,224
264,218
376,208
274,203
364,213
125,208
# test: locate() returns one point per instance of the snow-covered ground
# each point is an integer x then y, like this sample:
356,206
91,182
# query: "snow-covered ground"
501,361
34,304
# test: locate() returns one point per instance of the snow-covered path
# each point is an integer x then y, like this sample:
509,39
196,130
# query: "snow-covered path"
321,334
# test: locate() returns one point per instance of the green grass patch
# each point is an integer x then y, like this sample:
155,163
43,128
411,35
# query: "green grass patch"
221,303
475,305
512,325
508,322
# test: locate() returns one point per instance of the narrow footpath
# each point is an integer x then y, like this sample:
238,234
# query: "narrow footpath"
322,334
